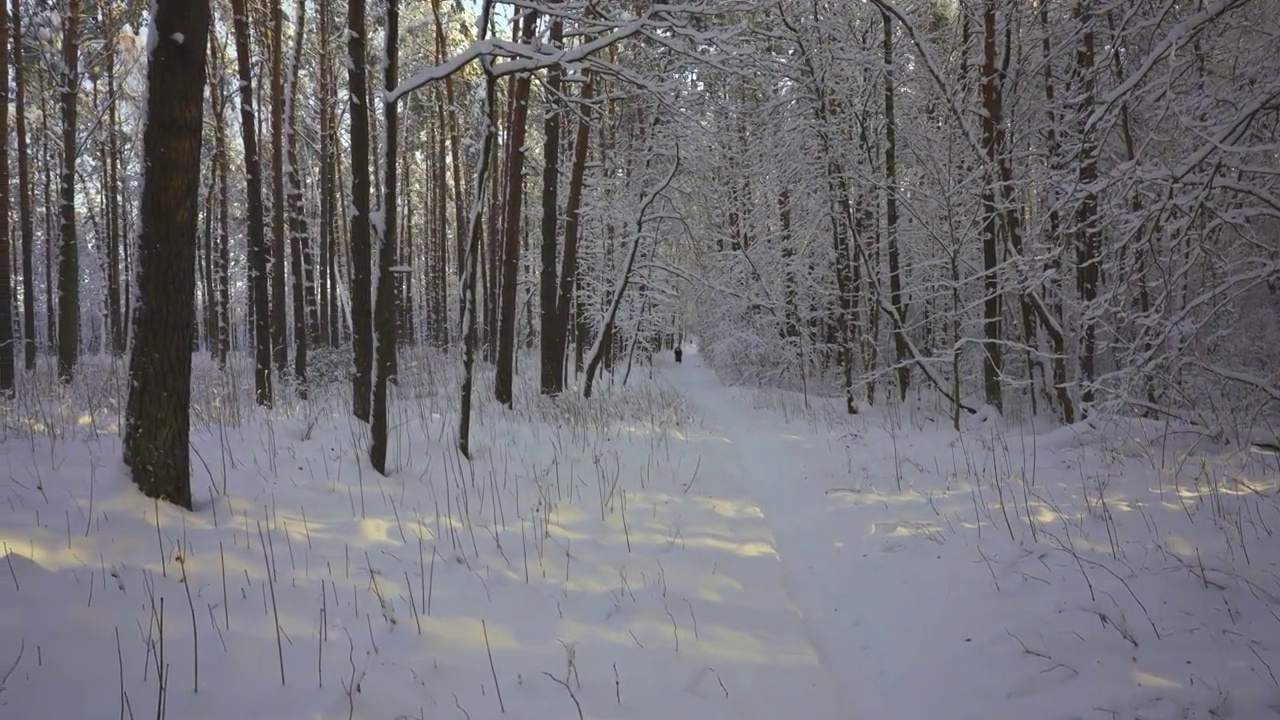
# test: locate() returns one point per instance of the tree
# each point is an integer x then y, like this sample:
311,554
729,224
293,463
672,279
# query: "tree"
305,313
385,302
69,257
258,286
552,378
6,296
157,423
511,241
26,216
276,251
361,249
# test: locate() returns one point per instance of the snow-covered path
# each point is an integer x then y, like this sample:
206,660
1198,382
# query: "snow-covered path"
759,464
677,548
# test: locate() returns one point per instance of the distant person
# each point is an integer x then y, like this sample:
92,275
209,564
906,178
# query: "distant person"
679,354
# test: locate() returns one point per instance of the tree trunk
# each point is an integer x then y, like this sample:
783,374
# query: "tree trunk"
304,306
572,222
115,284
69,258
158,427
26,216
512,225
6,262
469,319
222,263
1054,149
361,250
552,339
1088,232
259,296
459,216
279,299
891,212
50,232
385,303
992,365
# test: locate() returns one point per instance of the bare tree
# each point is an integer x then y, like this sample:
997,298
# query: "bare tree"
26,216
157,430
258,285
361,250
6,262
385,302
69,257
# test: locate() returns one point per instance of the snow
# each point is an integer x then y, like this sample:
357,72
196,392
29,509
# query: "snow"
672,548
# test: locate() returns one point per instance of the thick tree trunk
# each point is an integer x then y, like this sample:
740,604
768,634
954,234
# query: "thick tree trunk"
158,426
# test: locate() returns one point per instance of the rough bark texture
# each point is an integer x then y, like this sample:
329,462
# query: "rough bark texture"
69,257
157,430
361,250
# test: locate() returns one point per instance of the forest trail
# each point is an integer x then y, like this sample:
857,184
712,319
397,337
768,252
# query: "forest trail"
753,459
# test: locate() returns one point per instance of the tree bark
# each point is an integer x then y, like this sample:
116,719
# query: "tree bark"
385,302
6,262
305,318
511,246
992,364
572,222
279,299
361,250
1088,233
552,338
26,216
259,293
69,256
158,426
891,211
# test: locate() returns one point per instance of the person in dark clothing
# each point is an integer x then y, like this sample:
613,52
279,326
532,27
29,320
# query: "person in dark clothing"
679,354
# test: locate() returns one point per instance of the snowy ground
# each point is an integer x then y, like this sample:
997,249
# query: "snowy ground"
673,549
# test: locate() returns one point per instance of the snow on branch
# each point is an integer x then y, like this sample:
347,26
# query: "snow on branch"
530,57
